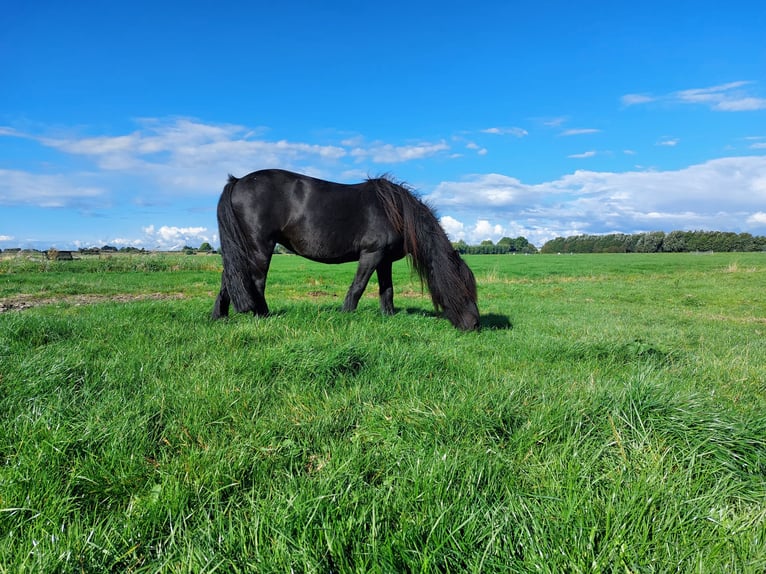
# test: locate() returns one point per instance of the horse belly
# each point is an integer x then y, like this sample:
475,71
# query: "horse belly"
325,244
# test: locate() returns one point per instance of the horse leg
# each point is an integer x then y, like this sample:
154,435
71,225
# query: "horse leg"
259,272
386,287
367,264
221,307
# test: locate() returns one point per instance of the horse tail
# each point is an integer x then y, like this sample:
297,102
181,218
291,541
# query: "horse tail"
237,260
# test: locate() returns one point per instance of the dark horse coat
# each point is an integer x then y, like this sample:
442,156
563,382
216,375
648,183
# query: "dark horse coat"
375,222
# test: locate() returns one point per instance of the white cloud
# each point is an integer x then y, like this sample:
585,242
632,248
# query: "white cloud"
554,122
56,190
741,105
758,218
712,95
729,97
169,158
454,228
580,132
583,155
379,152
176,156
189,145
513,131
122,241
668,142
636,99
474,234
486,230
172,237
483,229
6,238
477,148
491,190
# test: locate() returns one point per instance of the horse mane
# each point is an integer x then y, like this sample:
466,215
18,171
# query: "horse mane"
402,208
430,251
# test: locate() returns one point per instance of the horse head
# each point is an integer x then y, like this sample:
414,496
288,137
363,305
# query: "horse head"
458,300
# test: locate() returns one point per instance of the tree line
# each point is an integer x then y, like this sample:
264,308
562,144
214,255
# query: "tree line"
657,242
651,242
505,246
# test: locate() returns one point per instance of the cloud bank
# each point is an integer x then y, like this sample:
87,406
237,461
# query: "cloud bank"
725,194
173,162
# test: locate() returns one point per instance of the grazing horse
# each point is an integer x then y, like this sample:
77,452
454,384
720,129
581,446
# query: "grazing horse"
375,222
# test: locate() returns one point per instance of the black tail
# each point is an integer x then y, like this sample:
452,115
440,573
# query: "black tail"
237,261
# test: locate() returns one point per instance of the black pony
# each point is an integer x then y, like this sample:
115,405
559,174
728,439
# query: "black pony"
375,222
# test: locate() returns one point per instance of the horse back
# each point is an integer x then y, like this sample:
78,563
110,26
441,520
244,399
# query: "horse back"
321,220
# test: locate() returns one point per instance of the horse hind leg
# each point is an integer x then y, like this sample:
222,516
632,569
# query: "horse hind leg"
221,307
260,309
244,285
258,274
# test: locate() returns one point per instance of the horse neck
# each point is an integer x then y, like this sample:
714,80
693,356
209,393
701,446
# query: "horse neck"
424,240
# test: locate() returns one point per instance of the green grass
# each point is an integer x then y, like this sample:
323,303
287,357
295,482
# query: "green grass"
609,417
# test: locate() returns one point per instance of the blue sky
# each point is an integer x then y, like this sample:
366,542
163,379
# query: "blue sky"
119,121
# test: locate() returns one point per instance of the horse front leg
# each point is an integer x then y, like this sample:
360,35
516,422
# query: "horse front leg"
367,264
386,287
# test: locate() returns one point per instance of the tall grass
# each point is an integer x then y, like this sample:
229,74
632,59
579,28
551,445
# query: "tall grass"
609,417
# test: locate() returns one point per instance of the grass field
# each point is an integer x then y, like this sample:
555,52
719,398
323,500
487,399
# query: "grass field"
609,417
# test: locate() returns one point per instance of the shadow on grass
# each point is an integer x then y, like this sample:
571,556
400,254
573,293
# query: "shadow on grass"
495,322
489,321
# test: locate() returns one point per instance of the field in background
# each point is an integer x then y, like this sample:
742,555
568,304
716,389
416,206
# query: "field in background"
608,417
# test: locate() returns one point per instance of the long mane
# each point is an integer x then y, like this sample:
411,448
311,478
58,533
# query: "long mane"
449,280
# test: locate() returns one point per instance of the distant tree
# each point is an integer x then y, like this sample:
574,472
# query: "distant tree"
521,245
461,247
675,242
553,246
650,242
744,242
206,247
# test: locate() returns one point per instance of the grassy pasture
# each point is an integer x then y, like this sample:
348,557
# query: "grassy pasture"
609,417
